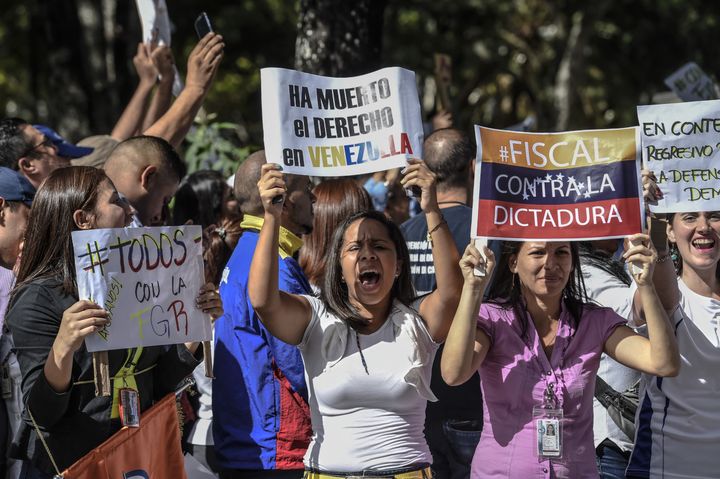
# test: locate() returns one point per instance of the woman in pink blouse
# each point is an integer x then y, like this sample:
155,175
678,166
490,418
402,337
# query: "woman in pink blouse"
537,345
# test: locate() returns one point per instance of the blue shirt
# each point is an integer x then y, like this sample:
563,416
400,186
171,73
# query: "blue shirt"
260,412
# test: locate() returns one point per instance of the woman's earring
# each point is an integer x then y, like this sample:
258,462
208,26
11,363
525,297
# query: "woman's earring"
513,280
674,252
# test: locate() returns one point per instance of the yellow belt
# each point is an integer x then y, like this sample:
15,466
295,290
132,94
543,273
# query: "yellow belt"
419,474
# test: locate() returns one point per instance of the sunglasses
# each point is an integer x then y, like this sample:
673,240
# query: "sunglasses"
47,143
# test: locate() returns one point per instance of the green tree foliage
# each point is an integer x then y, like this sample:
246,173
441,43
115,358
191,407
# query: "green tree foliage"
508,54
570,63
212,145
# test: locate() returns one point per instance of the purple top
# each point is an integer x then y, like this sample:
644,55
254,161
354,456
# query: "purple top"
514,377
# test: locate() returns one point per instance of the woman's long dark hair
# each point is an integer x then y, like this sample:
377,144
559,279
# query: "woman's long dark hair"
219,244
604,261
334,292
200,199
505,288
48,248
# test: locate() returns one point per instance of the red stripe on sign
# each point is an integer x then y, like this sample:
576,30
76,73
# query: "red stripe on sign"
610,218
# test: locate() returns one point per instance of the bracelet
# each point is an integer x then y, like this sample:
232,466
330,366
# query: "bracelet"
663,258
437,226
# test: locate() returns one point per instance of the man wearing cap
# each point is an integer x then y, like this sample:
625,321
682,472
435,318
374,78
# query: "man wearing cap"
16,195
65,150
25,149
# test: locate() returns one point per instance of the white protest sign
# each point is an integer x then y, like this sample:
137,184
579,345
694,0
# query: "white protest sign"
681,145
155,23
322,126
690,83
147,279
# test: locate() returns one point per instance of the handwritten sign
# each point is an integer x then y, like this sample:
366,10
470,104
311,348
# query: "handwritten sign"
691,83
550,186
324,126
147,279
155,23
681,145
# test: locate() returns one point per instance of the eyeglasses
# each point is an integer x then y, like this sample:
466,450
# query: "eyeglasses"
47,143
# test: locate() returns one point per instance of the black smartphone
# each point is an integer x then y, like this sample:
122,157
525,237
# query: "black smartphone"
202,25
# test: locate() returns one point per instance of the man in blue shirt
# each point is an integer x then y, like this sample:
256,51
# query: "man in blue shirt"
261,419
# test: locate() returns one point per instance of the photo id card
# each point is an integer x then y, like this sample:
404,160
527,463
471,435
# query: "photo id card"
129,407
548,430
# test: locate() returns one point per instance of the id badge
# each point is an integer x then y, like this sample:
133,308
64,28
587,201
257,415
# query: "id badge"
548,432
129,407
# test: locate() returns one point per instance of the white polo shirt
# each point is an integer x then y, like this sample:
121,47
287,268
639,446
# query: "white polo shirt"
678,434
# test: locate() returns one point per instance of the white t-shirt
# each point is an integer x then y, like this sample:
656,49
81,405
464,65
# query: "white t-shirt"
608,291
367,420
201,433
678,433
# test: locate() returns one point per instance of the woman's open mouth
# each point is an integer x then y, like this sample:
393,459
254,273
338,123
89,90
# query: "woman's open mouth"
703,244
369,279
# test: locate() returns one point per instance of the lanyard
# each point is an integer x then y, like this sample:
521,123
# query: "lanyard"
125,377
550,395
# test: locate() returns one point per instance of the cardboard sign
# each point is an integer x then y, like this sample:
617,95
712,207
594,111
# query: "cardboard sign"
690,83
680,144
155,23
574,185
322,126
147,279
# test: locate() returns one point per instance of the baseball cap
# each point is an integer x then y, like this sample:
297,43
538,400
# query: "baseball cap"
15,187
64,147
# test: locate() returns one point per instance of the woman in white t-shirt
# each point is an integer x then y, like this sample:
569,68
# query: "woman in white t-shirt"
678,422
367,343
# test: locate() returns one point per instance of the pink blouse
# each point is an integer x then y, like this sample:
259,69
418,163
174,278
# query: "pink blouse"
513,378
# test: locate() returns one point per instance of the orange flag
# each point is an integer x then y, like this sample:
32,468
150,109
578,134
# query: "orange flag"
149,451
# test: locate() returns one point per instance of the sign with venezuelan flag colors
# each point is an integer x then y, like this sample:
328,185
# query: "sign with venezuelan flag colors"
573,185
323,126
147,280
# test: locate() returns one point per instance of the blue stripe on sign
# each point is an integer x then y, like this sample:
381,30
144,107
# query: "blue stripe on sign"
567,186
639,464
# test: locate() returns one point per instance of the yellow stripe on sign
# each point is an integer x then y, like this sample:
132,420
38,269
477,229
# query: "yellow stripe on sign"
556,151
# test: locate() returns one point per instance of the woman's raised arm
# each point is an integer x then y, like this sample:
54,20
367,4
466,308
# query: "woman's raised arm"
657,354
285,315
439,307
466,345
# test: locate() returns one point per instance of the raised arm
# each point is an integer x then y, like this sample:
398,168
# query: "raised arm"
130,122
163,60
664,277
203,64
658,353
439,306
467,345
285,315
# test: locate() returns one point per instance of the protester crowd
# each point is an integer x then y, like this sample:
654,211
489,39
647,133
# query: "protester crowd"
352,336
